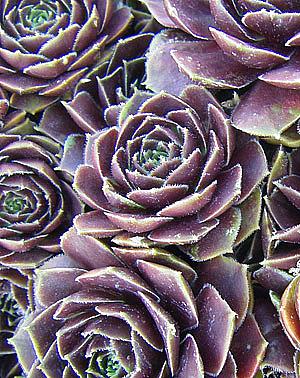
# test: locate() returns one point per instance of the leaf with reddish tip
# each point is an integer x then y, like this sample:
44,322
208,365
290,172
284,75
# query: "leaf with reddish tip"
218,241
172,81
206,63
116,278
289,316
251,213
194,19
273,279
254,169
168,329
186,231
190,364
84,111
136,222
245,53
91,253
233,284
53,284
215,330
227,192
138,319
104,149
248,347
156,255
191,204
174,291
287,76
267,111
95,223
157,198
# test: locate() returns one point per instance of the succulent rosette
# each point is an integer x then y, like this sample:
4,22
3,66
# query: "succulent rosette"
15,300
170,171
46,46
276,312
125,312
253,36
280,221
36,204
10,315
229,44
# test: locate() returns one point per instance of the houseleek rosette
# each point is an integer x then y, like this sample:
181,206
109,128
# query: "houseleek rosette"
229,44
46,46
171,171
15,301
36,204
251,36
281,217
10,315
276,311
141,312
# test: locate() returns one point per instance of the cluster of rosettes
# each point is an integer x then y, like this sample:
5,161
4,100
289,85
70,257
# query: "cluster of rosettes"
149,189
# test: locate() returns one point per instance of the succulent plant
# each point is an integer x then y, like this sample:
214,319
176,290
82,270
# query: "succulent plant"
36,204
15,301
275,312
255,36
109,313
46,46
229,44
10,315
280,221
172,170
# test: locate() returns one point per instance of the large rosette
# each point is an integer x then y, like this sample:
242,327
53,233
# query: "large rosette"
251,36
36,203
132,313
46,46
170,171
229,44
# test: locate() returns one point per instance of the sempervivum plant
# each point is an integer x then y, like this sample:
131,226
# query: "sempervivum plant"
10,315
171,170
240,41
46,46
281,217
133,313
15,301
36,204
276,311
252,36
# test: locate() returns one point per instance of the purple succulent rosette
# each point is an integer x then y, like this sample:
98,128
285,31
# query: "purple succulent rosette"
253,36
281,221
228,45
15,301
36,204
172,172
46,46
138,313
276,311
